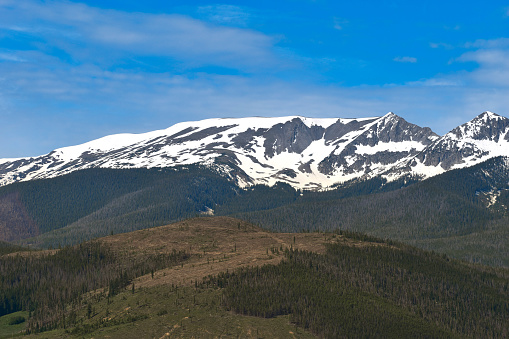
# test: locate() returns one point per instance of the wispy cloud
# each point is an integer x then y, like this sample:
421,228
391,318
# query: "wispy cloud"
11,57
493,43
453,28
405,59
339,23
440,45
85,32
439,81
493,69
226,14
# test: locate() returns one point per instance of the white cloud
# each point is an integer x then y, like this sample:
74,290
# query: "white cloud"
487,57
454,28
491,72
86,32
493,67
437,82
186,38
405,59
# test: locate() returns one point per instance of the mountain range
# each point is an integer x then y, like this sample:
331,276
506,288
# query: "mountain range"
307,153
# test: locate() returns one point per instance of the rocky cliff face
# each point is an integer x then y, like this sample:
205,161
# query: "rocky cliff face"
383,143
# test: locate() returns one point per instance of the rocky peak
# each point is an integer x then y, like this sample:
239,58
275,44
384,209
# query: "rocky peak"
393,128
483,137
486,126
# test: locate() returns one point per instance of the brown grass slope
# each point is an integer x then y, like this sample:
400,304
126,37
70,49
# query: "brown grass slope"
216,244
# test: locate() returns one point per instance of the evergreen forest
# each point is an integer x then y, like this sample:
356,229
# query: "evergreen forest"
384,289
51,286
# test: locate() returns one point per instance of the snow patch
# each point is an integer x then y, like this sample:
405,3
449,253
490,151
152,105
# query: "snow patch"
402,146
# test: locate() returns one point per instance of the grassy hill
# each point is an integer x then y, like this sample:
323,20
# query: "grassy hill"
220,276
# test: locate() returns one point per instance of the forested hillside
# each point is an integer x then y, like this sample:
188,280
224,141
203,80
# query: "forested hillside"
451,203
97,202
50,286
92,203
374,290
186,278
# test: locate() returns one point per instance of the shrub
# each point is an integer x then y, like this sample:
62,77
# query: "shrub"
16,320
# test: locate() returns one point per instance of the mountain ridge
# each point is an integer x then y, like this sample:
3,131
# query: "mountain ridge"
486,136
307,153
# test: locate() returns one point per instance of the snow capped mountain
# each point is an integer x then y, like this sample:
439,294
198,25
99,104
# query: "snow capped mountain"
484,137
307,153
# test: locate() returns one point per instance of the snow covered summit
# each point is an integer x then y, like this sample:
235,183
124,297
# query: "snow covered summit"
484,137
307,153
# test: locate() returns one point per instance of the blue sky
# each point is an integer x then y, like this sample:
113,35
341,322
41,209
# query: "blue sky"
73,71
